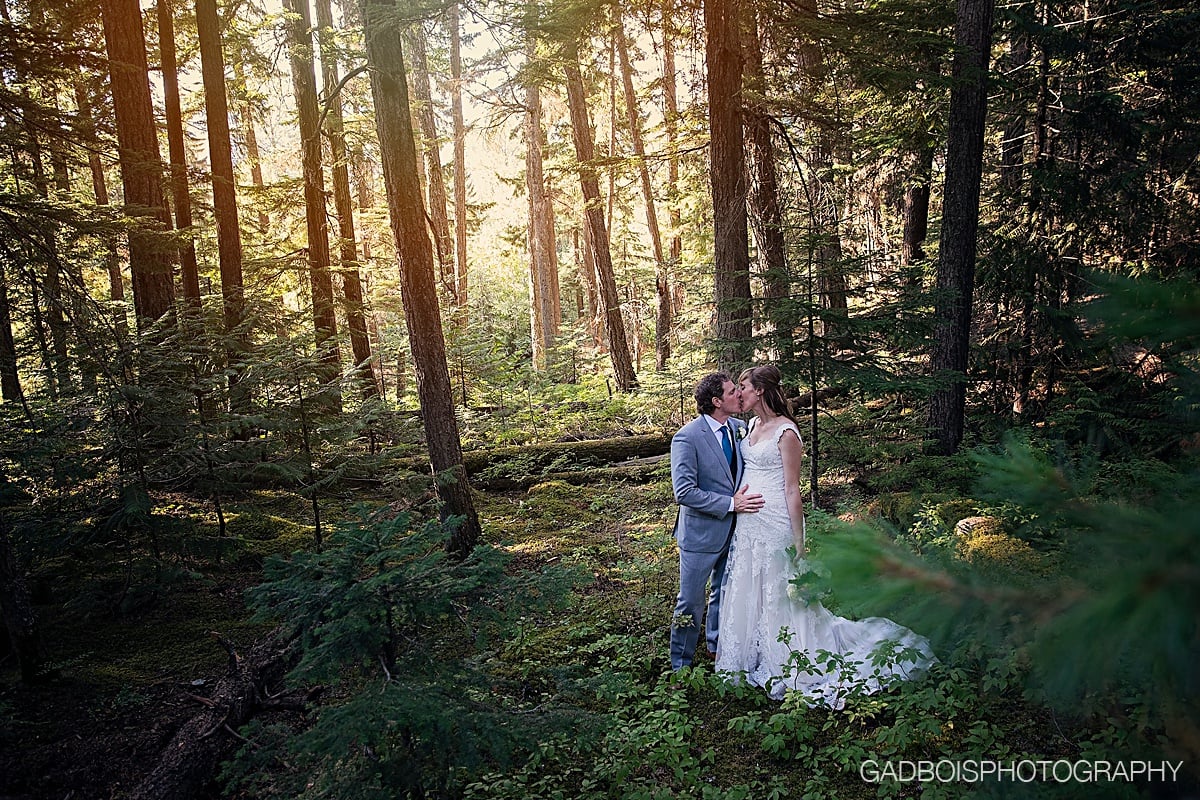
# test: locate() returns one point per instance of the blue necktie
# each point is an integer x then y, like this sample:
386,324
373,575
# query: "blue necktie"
727,446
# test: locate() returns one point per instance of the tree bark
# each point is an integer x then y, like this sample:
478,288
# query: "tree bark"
252,154
225,207
581,130
180,199
10,380
671,125
116,284
823,201
435,177
543,252
460,162
585,265
1012,147
393,122
356,319
960,222
141,166
766,216
662,273
916,205
304,82
731,252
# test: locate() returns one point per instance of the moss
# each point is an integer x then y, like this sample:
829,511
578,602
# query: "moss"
988,546
983,526
952,511
562,504
263,535
259,526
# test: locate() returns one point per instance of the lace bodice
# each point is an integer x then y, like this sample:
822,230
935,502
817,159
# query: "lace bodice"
764,473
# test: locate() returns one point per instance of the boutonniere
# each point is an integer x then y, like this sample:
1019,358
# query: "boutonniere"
740,432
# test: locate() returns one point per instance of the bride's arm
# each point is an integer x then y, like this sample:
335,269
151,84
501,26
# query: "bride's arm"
792,450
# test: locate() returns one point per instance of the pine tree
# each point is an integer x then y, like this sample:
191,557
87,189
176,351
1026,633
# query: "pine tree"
393,120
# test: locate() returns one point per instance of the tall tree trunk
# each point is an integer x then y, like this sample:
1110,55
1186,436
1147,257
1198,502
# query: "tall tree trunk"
225,208
77,295
823,205
398,153
460,162
252,154
1012,147
960,222
731,252
662,282
766,216
915,212
356,319
362,192
581,130
10,380
38,324
435,178
1039,225
543,254
141,166
610,174
56,320
180,199
304,81
671,124
116,285
585,264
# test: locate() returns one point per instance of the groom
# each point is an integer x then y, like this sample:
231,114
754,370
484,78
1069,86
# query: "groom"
705,472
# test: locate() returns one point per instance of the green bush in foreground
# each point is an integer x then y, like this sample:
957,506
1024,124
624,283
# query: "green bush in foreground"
402,635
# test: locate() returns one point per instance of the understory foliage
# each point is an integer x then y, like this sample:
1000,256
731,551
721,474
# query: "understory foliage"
399,635
1055,577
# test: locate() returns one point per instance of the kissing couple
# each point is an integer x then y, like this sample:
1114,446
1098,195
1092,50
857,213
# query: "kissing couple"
741,512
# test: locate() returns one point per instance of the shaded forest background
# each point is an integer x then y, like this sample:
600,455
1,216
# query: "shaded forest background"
340,345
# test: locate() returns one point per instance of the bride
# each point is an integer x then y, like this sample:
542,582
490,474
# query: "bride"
770,639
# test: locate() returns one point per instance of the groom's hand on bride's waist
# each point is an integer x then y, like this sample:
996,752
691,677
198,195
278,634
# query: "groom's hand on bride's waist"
745,502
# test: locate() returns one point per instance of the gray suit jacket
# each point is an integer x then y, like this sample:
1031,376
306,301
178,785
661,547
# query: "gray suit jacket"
703,486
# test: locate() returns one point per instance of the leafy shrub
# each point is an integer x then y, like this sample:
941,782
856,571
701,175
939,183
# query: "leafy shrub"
401,630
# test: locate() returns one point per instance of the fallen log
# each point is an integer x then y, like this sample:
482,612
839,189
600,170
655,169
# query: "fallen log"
531,458
640,470
188,763
805,401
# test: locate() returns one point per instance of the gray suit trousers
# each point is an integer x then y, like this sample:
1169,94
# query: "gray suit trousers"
696,570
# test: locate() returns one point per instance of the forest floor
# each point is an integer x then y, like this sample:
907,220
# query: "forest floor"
134,650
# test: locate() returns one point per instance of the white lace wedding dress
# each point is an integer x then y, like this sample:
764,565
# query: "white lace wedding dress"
755,606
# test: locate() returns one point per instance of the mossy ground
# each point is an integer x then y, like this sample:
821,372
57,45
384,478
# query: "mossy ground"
129,656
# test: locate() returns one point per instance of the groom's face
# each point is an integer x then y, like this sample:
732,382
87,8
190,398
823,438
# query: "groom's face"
730,401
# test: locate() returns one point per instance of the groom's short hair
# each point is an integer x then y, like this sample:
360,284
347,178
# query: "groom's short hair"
710,386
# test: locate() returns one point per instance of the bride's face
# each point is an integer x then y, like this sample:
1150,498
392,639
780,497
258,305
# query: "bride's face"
751,397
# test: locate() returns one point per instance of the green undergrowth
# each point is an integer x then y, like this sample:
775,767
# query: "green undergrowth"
538,669
572,698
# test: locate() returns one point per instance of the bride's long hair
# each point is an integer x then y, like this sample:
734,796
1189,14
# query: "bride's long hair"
767,378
